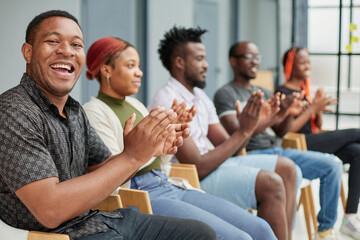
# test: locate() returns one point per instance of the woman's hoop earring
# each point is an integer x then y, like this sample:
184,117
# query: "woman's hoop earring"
108,81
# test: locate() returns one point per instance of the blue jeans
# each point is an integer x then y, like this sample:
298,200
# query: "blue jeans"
137,225
228,220
314,165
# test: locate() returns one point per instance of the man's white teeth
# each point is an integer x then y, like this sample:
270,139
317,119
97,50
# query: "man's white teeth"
67,67
254,69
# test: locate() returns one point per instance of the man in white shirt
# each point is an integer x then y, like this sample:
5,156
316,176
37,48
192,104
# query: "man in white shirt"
264,182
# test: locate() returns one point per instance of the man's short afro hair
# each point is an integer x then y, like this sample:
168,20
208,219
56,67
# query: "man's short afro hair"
33,26
174,38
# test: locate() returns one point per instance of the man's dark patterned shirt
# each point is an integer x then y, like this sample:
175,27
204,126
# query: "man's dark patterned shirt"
36,142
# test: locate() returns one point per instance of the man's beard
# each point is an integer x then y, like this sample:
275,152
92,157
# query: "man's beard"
38,76
193,81
245,75
248,76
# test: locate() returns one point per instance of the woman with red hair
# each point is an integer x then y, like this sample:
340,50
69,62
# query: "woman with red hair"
343,143
115,64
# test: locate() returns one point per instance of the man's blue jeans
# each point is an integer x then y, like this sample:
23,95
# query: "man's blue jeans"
314,165
227,219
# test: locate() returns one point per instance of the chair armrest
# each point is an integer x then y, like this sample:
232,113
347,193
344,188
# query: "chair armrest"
34,235
111,203
186,171
136,198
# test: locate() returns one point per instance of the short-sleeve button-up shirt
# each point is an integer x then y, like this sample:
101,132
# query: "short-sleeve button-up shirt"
36,142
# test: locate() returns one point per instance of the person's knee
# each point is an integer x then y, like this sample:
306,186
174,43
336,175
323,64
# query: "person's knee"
337,167
265,229
199,230
269,186
299,177
287,169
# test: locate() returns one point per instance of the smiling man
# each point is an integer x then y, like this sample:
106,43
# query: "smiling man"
53,166
244,60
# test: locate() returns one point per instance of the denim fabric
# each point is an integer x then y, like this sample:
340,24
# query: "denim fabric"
228,220
314,165
136,225
240,173
235,178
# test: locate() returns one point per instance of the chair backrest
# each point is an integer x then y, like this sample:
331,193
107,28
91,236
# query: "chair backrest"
186,171
264,79
111,203
136,198
294,140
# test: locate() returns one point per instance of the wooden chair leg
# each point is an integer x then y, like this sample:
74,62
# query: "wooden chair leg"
300,201
312,208
307,209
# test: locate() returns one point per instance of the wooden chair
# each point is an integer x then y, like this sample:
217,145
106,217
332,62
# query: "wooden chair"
135,198
264,79
292,140
129,197
306,198
297,141
186,171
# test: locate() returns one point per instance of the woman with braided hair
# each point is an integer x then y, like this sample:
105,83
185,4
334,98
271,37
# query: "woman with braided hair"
343,143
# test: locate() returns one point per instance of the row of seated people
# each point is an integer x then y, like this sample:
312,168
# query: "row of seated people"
251,181
243,180
266,179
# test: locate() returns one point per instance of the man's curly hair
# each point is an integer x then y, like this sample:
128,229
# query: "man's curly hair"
175,38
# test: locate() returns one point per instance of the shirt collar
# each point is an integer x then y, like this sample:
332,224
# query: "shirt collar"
183,91
110,100
39,97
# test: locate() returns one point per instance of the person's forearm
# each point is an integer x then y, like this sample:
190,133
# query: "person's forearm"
283,127
262,126
318,119
214,158
58,202
300,121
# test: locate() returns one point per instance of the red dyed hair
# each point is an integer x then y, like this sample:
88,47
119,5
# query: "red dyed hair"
101,52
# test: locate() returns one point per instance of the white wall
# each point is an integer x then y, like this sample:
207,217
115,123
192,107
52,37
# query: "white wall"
226,39
258,25
15,15
285,25
163,15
